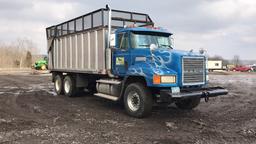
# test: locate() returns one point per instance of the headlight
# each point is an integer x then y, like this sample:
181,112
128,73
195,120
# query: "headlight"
164,79
168,79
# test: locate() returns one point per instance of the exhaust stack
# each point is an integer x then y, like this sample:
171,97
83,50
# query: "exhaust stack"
108,50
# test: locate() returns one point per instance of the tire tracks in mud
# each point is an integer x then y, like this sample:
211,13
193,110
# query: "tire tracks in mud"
13,93
21,114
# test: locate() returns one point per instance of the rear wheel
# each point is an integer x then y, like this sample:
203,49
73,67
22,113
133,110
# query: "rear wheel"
69,86
58,84
43,67
188,103
138,100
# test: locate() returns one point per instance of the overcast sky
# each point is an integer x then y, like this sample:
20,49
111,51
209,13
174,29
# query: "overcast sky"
223,27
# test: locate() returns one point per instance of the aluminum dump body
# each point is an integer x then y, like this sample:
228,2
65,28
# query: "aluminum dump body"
79,45
79,52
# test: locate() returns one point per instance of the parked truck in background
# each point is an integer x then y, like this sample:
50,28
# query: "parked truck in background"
121,56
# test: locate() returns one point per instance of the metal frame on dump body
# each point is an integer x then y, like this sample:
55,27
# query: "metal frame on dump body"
52,30
78,45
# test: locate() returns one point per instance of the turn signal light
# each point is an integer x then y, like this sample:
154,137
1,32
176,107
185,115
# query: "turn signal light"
156,79
168,79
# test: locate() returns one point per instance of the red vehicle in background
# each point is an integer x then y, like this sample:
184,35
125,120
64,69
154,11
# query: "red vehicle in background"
242,69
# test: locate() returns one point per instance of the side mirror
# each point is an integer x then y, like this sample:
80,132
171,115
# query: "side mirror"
152,47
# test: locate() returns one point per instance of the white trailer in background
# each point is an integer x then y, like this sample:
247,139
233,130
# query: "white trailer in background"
215,65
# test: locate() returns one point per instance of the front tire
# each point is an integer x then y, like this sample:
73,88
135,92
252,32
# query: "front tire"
58,84
69,86
188,103
138,100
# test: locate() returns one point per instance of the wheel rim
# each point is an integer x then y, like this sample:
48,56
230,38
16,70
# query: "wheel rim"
133,101
57,84
43,67
67,86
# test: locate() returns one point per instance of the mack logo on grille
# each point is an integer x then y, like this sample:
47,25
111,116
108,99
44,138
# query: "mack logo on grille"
194,71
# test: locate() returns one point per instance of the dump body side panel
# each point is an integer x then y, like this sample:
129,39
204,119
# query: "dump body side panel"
81,52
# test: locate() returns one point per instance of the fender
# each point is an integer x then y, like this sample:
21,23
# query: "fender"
129,79
147,71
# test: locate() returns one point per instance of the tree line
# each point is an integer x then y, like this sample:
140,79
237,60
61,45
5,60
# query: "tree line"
17,54
235,61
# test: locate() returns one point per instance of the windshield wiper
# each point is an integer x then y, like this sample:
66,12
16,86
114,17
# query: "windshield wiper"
166,46
145,45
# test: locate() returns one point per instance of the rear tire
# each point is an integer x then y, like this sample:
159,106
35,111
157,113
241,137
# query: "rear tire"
58,84
189,103
43,67
69,86
138,100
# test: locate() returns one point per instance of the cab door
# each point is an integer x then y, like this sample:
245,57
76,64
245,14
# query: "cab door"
121,55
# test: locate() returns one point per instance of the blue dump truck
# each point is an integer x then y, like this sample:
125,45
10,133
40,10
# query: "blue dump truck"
121,56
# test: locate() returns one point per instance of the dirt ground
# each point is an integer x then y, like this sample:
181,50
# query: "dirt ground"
30,112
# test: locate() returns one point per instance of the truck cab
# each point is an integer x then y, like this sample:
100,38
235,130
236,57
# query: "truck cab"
133,62
147,53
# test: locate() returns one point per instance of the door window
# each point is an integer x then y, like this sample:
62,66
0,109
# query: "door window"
123,42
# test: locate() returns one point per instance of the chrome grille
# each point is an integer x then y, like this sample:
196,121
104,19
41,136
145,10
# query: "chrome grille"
193,70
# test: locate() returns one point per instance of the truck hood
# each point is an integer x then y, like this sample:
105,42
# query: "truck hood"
159,62
166,60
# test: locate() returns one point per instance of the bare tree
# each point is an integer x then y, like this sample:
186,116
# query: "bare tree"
217,57
24,46
236,60
17,54
28,59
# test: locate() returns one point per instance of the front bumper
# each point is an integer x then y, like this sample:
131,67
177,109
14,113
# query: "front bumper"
167,95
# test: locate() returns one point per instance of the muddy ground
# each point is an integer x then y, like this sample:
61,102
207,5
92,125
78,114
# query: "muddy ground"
30,112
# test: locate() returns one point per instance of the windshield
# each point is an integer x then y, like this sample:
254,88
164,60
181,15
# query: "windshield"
144,40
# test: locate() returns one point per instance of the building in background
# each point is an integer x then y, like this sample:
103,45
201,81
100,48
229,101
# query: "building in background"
215,65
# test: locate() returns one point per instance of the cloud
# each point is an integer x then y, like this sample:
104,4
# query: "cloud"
14,5
225,28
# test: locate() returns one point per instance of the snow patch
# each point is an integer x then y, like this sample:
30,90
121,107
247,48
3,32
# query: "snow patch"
9,87
42,87
171,125
51,92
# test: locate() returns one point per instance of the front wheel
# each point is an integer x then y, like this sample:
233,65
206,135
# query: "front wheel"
138,100
188,103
